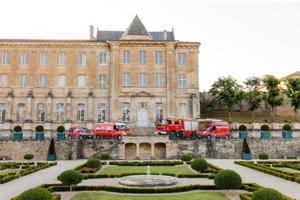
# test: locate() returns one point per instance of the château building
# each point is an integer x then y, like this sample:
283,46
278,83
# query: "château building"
133,76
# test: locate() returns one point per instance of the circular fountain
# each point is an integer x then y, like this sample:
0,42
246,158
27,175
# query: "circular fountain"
148,180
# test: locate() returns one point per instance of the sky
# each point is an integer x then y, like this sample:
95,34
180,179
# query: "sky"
238,38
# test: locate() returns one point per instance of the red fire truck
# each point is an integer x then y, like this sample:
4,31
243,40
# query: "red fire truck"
76,131
110,130
213,128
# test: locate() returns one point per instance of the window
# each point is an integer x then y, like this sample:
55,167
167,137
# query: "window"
182,110
61,81
126,57
43,80
3,80
126,80
24,58
2,112
142,57
5,58
143,80
159,112
62,58
125,112
43,58
181,58
82,59
102,81
80,112
21,112
101,112
23,80
102,58
60,114
81,82
159,81
158,57
182,83
40,112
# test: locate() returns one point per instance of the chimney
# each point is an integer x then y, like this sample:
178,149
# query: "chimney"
165,35
92,32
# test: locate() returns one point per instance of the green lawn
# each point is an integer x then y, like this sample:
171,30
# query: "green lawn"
185,196
142,169
247,117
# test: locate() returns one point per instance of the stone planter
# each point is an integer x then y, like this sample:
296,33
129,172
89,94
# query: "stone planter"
17,136
265,135
51,157
39,136
287,134
246,156
60,135
243,134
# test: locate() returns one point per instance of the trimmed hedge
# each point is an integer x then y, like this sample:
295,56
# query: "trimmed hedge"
145,163
36,194
28,156
199,164
104,156
266,194
228,179
70,177
263,156
93,163
186,157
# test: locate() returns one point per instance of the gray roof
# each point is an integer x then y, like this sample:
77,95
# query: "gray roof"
136,28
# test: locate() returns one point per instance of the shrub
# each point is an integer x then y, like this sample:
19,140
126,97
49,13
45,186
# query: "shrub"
104,156
265,127
287,127
39,129
266,194
36,194
28,156
18,129
228,179
60,129
263,156
186,157
246,148
70,177
51,150
93,163
242,128
199,164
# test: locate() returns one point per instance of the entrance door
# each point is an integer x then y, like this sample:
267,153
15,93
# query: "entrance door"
142,115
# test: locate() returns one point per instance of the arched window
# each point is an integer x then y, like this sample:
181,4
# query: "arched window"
60,114
2,112
40,112
80,112
21,112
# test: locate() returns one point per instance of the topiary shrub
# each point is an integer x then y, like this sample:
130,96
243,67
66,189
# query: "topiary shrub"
263,156
104,156
228,179
199,164
39,128
70,177
18,129
287,127
242,128
265,128
246,148
60,129
28,156
266,194
93,163
186,157
36,194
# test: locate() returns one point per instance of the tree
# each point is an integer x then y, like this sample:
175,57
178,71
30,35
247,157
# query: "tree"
252,95
293,92
226,91
273,96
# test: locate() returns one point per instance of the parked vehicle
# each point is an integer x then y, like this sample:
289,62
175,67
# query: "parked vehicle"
80,133
213,128
110,130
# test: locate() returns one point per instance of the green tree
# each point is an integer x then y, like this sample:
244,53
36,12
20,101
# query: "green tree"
273,95
226,92
252,95
293,92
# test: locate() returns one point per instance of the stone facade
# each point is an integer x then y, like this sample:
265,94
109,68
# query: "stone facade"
113,76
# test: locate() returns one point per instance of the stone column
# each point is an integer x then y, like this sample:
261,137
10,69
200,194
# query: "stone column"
90,107
49,107
171,80
137,151
195,106
9,98
28,117
152,151
69,108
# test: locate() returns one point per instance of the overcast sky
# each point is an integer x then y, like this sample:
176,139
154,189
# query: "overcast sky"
238,38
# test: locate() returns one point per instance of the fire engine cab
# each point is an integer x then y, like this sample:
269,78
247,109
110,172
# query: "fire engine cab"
110,130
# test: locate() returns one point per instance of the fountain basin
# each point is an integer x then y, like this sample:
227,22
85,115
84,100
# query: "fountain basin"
148,181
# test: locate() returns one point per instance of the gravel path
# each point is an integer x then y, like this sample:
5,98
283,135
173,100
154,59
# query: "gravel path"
49,175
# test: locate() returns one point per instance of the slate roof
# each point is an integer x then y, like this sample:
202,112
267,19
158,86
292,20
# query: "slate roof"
136,27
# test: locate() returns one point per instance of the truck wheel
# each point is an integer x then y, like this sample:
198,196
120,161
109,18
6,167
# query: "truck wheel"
193,136
173,135
180,135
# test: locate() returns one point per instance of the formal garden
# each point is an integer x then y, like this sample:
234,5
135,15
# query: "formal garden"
212,182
